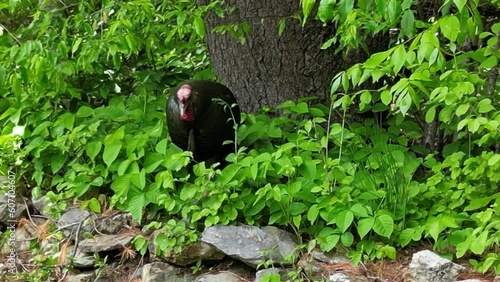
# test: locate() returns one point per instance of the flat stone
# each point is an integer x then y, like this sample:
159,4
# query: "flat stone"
250,244
427,266
101,243
225,276
164,272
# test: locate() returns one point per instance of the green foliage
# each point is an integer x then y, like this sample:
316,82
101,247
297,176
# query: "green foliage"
82,97
85,82
171,237
441,74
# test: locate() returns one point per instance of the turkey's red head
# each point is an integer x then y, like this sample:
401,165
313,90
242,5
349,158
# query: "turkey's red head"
185,103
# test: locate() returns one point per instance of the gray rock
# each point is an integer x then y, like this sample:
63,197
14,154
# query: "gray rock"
190,254
40,204
70,220
11,207
314,270
261,274
330,258
163,272
225,276
81,277
19,240
469,280
80,259
113,224
101,243
250,244
427,266
340,277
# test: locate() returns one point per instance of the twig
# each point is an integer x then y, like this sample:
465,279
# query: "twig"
10,33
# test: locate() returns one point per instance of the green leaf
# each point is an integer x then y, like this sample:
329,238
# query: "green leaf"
181,17
297,208
281,26
57,161
84,111
450,27
345,82
76,44
462,248
386,97
98,181
296,220
137,206
328,239
398,58
41,127
408,23
406,236
489,63
188,192
344,219
365,97
344,8
300,108
111,151
93,148
393,10
254,169
153,161
199,26
365,225
462,109
462,123
336,83
354,74
375,59
390,252
484,106
384,225
430,114
474,125
326,9
477,203
121,185
480,244
307,6
494,160
359,210
66,119
460,4
328,43
312,213
405,104
347,239
228,173
381,6
94,205
308,169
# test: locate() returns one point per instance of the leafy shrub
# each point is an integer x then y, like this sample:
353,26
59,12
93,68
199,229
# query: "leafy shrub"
90,97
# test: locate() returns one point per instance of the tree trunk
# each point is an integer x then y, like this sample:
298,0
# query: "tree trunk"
269,69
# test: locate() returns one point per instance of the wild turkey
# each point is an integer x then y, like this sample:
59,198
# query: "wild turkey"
198,123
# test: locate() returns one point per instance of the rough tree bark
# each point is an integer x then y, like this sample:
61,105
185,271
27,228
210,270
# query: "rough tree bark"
270,69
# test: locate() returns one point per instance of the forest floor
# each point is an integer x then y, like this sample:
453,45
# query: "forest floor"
398,270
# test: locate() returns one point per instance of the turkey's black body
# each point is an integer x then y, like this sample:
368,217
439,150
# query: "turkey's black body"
212,124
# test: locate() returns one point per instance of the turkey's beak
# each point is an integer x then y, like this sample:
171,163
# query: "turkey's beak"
186,111
182,109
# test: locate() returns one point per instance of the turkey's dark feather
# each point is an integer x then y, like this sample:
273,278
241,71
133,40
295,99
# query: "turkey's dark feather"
213,122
